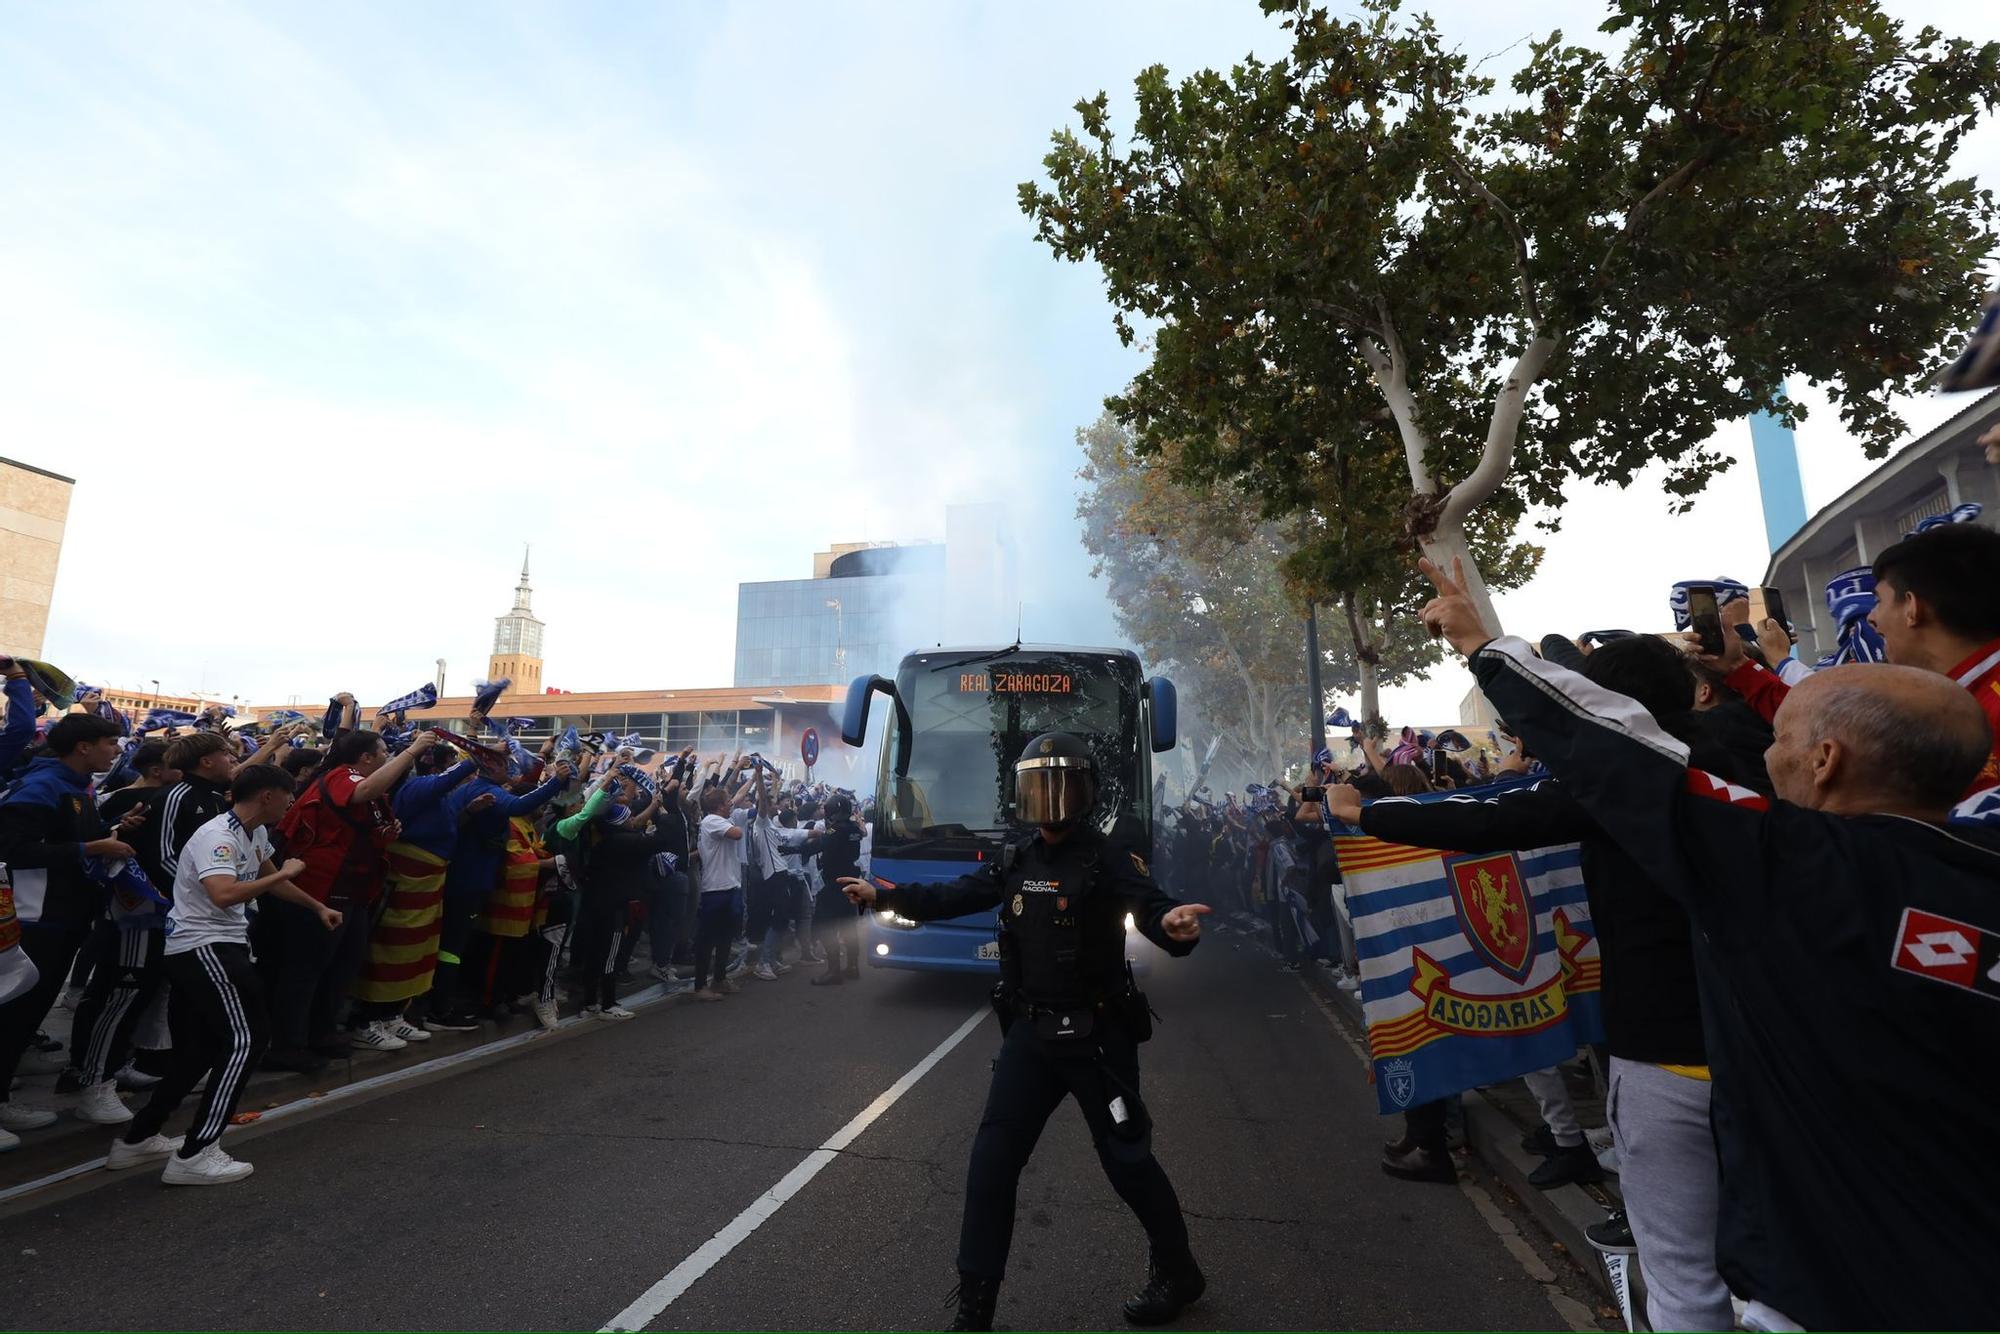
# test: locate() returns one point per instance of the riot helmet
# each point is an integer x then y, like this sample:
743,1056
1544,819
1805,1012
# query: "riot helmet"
1055,781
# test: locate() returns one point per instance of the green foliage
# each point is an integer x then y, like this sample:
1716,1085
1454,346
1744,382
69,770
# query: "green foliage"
1748,191
1198,581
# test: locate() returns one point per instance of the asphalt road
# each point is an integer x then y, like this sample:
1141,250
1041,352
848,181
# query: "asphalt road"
552,1188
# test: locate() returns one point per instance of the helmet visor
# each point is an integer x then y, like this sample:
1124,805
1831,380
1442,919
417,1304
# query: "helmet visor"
1053,790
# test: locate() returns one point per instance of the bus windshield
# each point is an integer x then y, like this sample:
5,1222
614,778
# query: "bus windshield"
969,718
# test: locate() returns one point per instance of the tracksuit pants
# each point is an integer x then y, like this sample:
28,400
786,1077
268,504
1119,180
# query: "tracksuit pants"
221,1027
130,972
1030,1080
1671,1182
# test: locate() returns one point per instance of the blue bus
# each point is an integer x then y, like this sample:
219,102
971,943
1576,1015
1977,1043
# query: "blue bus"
944,794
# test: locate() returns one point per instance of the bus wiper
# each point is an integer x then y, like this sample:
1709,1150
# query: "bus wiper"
960,836
978,657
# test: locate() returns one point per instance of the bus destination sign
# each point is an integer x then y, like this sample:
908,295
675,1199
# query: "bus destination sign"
1015,683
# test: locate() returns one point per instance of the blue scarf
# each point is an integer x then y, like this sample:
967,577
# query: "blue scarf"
487,693
1850,596
423,697
160,719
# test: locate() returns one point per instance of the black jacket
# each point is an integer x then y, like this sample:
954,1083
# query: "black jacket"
1652,1009
1086,884
1850,975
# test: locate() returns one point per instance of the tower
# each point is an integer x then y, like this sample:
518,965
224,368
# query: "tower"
517,641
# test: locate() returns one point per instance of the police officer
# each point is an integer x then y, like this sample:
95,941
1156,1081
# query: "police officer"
1071,1020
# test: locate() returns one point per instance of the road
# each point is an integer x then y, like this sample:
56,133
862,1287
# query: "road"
555,1186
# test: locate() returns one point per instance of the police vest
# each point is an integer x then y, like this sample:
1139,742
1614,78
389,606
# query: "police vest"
1062,928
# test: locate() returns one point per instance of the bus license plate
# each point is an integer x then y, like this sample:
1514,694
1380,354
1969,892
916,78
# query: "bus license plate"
990,950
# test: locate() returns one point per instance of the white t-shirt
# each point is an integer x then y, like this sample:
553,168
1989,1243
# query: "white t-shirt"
220,847
721,855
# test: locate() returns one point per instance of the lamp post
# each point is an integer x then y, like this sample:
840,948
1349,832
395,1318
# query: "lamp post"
156,692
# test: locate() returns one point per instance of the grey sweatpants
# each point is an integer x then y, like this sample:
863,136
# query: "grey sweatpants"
1668,1173
1552,1099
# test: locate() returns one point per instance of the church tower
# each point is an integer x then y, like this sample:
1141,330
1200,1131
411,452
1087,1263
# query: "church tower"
517,641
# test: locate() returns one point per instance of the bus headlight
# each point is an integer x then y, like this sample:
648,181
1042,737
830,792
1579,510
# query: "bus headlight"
1130,925
897,920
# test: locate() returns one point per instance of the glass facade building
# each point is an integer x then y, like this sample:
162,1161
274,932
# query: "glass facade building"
827,631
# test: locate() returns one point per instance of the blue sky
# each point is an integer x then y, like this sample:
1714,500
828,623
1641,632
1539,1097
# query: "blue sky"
679,293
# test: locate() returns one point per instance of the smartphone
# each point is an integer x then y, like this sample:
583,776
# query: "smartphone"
1312,794
1706,619
1774,607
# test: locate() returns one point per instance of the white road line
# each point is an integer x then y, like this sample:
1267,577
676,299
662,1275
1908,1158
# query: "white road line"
638,1000
647,1307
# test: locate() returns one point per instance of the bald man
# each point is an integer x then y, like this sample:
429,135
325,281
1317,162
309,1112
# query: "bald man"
1847,949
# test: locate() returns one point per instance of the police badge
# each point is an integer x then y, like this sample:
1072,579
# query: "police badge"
1020,905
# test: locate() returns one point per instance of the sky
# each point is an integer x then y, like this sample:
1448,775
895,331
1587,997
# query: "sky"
331,309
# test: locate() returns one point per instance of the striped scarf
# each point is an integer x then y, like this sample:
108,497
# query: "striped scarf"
423,697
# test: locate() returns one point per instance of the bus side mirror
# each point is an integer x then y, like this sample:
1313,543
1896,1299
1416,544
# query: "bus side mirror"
1166,713
854,715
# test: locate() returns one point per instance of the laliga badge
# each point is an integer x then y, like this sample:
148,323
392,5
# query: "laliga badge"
1020,905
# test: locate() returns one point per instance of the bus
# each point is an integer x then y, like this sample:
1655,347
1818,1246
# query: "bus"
944,794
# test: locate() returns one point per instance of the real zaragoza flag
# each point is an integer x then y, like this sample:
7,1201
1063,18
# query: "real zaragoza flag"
1475,967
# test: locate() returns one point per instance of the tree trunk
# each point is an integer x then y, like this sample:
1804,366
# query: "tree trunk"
1444,545
1365,654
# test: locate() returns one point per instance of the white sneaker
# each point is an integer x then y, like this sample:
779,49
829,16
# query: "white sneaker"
664,976
780,967
590,1011
545,1013
210,1167
399,1027
101,1105
149,1150
612,1012
132,1078
763,973
9,1140
375,1037
13,1116
1349,984
71,998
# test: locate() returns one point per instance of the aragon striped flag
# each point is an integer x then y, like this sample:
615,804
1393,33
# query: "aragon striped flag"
1475,968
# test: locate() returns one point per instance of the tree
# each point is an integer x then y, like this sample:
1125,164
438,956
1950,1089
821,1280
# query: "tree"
1570,282
1197,580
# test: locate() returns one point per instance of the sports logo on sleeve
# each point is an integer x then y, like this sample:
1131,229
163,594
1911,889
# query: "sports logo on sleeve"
1943,949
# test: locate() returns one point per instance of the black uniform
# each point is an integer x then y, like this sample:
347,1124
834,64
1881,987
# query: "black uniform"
1072,1025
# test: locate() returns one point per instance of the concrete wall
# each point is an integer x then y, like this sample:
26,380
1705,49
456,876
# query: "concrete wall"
34,507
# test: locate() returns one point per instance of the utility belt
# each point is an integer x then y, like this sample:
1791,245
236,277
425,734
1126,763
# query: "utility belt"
1077,1021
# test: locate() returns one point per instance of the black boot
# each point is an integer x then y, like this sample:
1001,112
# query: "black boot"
1419,1163
1169,1290
1569,1163
976,1298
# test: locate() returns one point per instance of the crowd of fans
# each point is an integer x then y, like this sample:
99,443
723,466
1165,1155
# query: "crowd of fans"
1794,878
1792,872
222,898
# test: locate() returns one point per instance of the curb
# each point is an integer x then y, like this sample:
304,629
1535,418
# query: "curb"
1493,1137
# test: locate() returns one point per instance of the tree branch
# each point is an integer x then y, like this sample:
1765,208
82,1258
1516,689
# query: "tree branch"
1639,212
1529,302
1391,371
1496,459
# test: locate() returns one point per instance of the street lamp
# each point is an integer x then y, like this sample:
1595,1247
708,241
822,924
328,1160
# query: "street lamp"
156,692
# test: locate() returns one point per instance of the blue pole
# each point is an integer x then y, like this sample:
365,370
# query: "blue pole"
1784,496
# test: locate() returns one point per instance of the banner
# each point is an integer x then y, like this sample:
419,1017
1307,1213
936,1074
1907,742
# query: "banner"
1475,967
